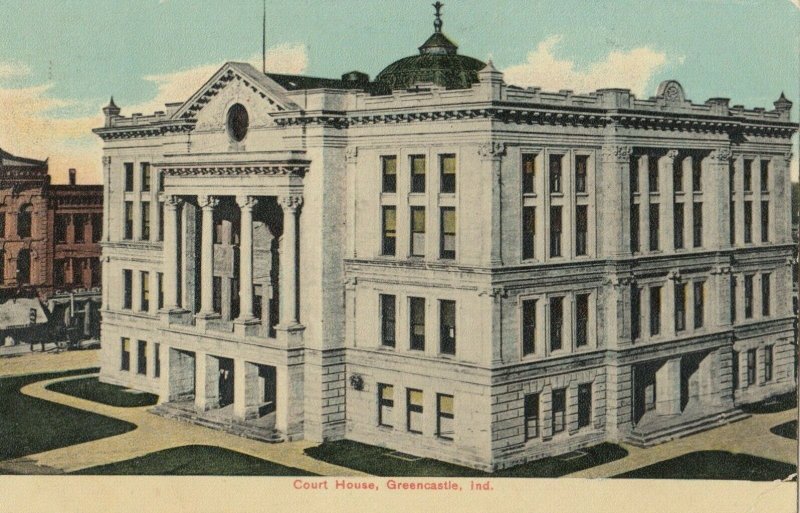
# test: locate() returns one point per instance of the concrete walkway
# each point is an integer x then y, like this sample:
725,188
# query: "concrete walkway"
749,436
153,434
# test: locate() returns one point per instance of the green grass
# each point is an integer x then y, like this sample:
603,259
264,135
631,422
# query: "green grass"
195,460
378,461
786,430
29,425
714,465
112,395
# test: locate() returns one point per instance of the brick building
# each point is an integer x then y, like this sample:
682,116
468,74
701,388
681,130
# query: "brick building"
445,264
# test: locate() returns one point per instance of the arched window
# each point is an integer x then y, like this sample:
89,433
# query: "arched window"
23,267
24,222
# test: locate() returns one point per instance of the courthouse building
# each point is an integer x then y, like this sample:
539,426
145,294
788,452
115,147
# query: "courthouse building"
445,264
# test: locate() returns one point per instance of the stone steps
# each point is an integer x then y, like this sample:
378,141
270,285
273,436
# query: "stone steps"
689,427
234,427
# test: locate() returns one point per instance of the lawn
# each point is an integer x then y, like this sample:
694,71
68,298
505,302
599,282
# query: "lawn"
195,460
113,395
385,462
714,465
786,430
29,425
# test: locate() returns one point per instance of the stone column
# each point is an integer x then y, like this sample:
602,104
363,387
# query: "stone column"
668,387
720,296
644,203
288,261
666,189
246,205
493,153
779,197
614,211
716,196
207,203
107,203
171,258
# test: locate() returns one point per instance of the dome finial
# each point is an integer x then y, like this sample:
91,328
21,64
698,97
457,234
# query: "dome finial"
437,23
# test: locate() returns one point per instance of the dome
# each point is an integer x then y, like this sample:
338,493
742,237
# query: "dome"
438,62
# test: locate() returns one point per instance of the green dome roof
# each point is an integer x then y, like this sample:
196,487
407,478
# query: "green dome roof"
438,62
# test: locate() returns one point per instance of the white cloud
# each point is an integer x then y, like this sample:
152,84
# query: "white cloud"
632,69
178,86
13,69
796,3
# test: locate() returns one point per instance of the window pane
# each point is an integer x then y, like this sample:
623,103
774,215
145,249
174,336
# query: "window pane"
581,320
654,226
387,320
448,173
417,173
528,174
555,173
389,230
448,242
418,231
447,314
531,416
389,165
556,322
444,416
652,173
555,231
528,232
581,171
417,328
528,326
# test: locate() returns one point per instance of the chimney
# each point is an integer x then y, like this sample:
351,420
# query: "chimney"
72,176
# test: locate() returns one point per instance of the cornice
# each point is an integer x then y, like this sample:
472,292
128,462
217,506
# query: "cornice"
289,168
145,131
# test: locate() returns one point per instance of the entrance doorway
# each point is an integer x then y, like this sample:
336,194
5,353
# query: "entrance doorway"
225,382
644,390
267,382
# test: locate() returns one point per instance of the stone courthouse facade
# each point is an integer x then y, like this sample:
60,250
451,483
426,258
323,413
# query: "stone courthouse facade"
444,264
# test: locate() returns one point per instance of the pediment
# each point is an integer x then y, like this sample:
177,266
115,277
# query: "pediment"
236,80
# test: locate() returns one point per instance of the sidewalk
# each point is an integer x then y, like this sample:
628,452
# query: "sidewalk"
25,362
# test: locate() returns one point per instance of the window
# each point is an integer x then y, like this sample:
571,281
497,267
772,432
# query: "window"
559,410
24,221
447,165
555,231
385,404
417,173
3,225
765,294
581,320
129,177
655,311
60,228
735,369
2,266
764,175
389,243
697,225
654,222
699,304
765,221
216,288
417,321
748,175
748,296
555,173
634,227
127,297
528,233
389,172
528,174
748,222
697,174
678,225
218,230
160,182
581,172
768,363
141,358
584,405
160,285
444,416
418,231
531,416
156,360
414,410
145,167
128,234
125,360
581,229
652,174
528,326
388,320
636,312
60,272
447,327
732,223
680,306
556,322
145,220
160,221
96,272
447,244
634,176
97,227
751,367
145,285
733,299
238,122
23,266
677,175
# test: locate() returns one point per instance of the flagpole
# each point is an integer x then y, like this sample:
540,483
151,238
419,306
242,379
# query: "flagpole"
264,40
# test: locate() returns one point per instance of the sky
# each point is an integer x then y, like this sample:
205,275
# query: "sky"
61,61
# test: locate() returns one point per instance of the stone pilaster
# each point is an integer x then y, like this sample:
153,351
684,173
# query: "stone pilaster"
614,212
171,262
207,204
246,205
493,153
716,196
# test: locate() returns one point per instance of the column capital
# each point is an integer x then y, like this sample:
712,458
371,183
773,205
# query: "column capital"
246,202
721,269
492,151
291,202
616,152
351,154
671,154
173,202
721,155
620,281
207,202
787,157
106,161
675,276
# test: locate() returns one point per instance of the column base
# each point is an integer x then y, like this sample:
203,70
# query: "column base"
175,315
203,318
290,335
246,327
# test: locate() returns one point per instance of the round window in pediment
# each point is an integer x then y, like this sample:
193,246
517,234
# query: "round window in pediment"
238,122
